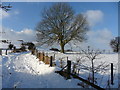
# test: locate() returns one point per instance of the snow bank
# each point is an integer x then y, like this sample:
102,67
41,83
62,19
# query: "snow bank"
23,70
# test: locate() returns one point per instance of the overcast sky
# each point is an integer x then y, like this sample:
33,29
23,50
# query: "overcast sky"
21,20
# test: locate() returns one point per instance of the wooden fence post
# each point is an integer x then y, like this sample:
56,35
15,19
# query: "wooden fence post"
46,60
6,51
0,51
43,56
74,66
54,56
112,73
68,68
67,58
36,52
40,56
51,61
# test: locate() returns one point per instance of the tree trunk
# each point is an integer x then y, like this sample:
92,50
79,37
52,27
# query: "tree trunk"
62,48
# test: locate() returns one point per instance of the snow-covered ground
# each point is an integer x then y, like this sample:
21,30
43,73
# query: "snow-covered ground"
23,70
102,77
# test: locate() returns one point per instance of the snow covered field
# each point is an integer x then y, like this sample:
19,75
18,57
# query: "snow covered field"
23,70
102,77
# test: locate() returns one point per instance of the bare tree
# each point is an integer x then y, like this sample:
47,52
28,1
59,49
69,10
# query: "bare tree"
115,44
92,56
60,24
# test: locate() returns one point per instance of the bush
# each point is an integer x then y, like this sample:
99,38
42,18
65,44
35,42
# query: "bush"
31,46
23,48
10,46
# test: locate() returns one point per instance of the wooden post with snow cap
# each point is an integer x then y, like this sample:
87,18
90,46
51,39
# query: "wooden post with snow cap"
51,61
